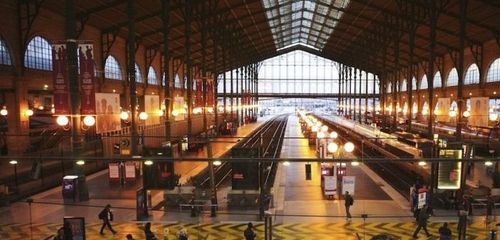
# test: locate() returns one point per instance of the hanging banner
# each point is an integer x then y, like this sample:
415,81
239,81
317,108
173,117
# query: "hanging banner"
152,106
87,79
108,112
479,111
210,93
60,78
199,94
442,109
449,173
178,110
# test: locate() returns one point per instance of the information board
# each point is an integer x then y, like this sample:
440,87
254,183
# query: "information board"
114,171
130,170
348,184
330,185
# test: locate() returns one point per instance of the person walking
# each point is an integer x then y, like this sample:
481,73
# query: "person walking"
148,233
348,202
107,217
422,218
249,233
183,235
444,232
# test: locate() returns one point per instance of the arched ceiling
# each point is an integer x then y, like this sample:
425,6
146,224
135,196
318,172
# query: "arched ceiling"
358,33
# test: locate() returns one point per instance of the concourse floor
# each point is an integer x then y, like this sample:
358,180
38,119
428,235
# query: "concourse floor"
298,231
48,206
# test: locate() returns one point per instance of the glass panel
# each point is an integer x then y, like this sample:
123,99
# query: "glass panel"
493,74
112,69
472,75
300,14
38,54
4,53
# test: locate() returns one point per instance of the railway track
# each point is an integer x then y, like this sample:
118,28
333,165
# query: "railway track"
268,138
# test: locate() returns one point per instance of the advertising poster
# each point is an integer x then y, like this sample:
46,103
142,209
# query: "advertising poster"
60,78
442,109
479,111
449,173
152,106
108,112
348,184
330,185
77,225
114,171
130,170
141,205
421,199
87,80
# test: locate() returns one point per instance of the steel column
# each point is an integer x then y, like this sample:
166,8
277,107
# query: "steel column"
460,70
166,70
366,99
187,61
71,45
131,49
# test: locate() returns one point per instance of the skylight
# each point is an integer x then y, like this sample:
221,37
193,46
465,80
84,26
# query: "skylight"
302,22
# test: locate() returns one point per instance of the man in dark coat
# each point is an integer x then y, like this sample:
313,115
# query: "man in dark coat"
348,202
423,217
249,233
106,216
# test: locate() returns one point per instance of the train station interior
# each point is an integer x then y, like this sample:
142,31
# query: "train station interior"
249,119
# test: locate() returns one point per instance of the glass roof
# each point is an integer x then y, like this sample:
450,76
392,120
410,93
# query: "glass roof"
302,22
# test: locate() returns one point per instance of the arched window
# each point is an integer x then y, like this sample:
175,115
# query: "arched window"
389,87
403,86
138,74
177,81
437,80
112,69
472,75
152,76
493,74
163,80
4,53
38,54
423,83
414,84
452,78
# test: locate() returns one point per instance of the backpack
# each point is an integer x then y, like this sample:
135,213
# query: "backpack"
102,215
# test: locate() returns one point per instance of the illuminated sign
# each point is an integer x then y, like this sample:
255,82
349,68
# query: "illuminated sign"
450,173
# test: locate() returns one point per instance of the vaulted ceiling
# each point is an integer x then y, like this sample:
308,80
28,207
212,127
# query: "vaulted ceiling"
368,34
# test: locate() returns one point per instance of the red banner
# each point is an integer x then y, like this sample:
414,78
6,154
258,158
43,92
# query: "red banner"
60,77
210,93
199,95
87,79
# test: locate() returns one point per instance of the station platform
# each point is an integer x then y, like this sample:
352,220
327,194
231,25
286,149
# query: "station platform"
301,200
